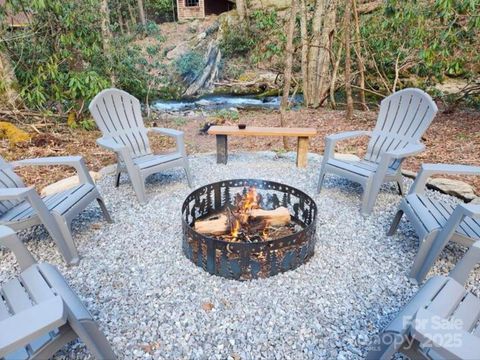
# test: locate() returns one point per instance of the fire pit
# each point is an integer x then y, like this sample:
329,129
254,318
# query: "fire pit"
246,229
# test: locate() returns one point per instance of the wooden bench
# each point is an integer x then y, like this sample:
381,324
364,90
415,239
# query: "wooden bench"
222,133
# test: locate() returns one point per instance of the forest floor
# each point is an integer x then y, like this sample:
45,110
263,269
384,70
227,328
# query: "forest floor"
452,138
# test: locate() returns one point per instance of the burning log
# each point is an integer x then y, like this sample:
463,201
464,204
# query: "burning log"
279,216
221,224
217,225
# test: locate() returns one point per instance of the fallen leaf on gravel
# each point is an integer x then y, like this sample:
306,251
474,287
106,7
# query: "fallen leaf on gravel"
207,306
150,348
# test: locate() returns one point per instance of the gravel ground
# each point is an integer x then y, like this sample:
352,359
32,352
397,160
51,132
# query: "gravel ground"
152,302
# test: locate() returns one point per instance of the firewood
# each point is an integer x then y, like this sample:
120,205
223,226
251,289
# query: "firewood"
277,217
220,225
215,226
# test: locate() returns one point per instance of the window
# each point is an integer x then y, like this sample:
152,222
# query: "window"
191,2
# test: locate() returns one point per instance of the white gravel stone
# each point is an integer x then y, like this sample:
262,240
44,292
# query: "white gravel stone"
147,296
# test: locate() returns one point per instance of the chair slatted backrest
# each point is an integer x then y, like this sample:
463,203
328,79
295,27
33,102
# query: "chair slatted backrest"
403,119
119,117
8,179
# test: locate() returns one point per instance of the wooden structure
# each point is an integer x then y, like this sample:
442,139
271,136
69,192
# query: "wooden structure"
222,133
191,9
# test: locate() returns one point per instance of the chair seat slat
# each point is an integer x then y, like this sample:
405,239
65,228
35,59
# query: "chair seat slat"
4,311
36,284
467,312
16,296
447,300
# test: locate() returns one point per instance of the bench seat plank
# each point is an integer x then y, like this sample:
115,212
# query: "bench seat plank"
262,131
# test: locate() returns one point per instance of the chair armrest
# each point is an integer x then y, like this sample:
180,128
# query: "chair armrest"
36,202
448,338
427,170
10,240
409,150
464,267
22,328
347,135
111,144
18,194
331,140
121,150
76,162
386,159
167,132
460,272
177,134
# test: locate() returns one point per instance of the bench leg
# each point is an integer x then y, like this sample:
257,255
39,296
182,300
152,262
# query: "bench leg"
302,151
222,149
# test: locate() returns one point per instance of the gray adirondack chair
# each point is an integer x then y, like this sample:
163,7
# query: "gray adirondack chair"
118,115
403,118
437,222
39,312
440,322
21,207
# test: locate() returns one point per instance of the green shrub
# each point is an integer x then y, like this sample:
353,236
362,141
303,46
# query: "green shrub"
190,65
152,28
226,114
237,40
153,50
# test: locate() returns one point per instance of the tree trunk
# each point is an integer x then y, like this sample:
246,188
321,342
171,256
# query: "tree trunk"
141,12
314,51
348,65
241,9
133,19
106,35
304,37
287,75
120,22
8,94
361,62
333,81
324,56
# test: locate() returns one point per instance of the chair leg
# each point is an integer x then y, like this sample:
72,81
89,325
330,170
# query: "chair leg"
119,173
186,167
117,181
321,177
369,197
419,269
401,189
106,214
94,339
365,207
139,187
68,248
395,223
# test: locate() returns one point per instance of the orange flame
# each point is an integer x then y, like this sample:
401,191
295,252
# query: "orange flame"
247,203
235,229
251,199
265,233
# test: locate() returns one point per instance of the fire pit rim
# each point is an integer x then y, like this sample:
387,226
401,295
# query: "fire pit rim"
244,260
287,238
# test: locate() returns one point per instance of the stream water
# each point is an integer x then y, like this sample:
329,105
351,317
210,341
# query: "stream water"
212,103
